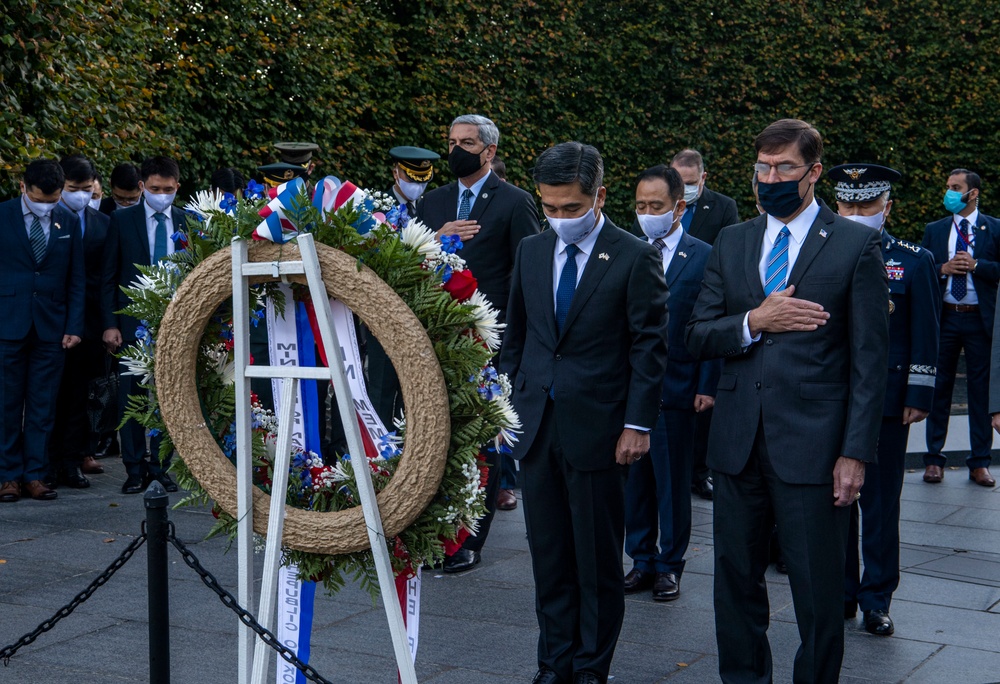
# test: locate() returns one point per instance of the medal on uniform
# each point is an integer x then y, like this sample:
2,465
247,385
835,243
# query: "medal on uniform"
894,269
892,306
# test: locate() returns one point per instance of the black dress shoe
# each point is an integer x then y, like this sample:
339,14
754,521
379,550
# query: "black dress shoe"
546,676
666,586
850,610
165,480
638,580
703,488
461,560
586,678
878,622
135,484
781,566
73,478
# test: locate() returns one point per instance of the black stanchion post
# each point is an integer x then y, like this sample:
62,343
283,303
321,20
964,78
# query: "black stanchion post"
156,501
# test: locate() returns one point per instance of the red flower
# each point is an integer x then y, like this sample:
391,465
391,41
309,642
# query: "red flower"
453,545
461,285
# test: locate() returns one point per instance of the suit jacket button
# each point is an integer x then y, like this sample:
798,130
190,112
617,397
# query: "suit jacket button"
37,273
769,342
558,357
756,385
899,368
545,388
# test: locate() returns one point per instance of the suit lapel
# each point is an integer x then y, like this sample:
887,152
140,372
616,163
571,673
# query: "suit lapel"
753,243
15,219
702,208
605,250
680,260
816,239
141,236
982,236
542,264
486,195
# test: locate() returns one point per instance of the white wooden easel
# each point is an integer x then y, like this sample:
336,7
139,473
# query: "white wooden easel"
253,652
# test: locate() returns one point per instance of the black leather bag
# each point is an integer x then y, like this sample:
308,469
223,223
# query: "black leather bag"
102,400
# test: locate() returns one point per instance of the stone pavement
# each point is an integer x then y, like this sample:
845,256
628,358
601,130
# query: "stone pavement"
478,627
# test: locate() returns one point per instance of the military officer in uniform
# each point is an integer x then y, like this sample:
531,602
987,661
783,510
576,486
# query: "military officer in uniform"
914,310
412,170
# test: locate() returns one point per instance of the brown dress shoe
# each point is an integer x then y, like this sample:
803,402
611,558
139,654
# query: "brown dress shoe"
506,501
10,492
36,489
981,476
90,466
934,474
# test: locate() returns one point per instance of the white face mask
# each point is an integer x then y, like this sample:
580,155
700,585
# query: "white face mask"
159,202
874,222
573,230
691,192
411,191
40,209
76,200
657,225
95,204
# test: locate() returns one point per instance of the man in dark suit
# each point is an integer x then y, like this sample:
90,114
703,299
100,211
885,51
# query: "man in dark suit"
796,300
658,490
71,452
708,212
491,217
967,258
138,236
42,299
585,348
125,191
914,309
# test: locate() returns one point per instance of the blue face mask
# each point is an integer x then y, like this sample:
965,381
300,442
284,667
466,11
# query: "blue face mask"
781,199
953,201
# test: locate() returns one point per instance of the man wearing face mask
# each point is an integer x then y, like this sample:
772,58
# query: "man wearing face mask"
71,452
796,301
658,492
967,258
125,190
586,349
914,309
42,299
98,193
491,217
138,236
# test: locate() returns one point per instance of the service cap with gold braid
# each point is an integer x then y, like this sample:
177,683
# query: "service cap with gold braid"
416,162
296,158
862,182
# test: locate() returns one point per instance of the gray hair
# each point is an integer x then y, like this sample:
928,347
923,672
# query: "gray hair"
489,134
689,157
570,162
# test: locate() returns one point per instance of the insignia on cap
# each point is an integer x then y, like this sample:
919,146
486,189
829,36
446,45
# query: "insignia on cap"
854,174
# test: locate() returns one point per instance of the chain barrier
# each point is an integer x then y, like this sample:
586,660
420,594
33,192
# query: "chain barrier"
245,617
7,652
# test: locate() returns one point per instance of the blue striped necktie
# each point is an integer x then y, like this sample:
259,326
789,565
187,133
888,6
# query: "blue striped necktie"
37,238
465,208
777,264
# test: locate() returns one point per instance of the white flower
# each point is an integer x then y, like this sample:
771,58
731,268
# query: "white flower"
204,202
485,320
511,423
382,201
421,238
138,363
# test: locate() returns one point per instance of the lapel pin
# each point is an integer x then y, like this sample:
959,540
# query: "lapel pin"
822,233
603,255
705,207
485,195
682,254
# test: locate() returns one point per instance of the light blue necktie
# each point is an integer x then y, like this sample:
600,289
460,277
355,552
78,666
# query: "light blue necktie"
777,264
160,239
465,208
37,238
959,283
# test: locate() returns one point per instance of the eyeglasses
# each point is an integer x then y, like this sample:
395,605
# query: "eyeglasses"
125,201
762,169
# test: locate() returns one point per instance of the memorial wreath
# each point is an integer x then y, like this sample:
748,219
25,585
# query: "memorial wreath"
427,274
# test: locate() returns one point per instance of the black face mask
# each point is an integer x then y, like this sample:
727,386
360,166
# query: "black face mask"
781,199
463,163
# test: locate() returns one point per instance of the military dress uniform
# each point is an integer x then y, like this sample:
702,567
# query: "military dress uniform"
914,310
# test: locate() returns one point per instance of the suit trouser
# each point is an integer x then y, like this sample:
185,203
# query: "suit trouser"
658,496
879,517
133,435
812,533
960,330
72,440
30,370
575,523
702,426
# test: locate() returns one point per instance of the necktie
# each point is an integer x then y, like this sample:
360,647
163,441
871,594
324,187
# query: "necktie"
465,207
777,264
660,244
567,286
37,238
160,239
959,284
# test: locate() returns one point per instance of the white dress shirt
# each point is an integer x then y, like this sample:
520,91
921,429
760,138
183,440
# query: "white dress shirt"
151,229
670,247
586,246
798,229
29,218
970,291
476,188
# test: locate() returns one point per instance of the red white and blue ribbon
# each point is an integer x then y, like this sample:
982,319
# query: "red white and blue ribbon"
276,226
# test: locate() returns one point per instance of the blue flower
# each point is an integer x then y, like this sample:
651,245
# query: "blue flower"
195,215
451,243
257,316
396,216
228,202
154,432
178,236
254,190
445,272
